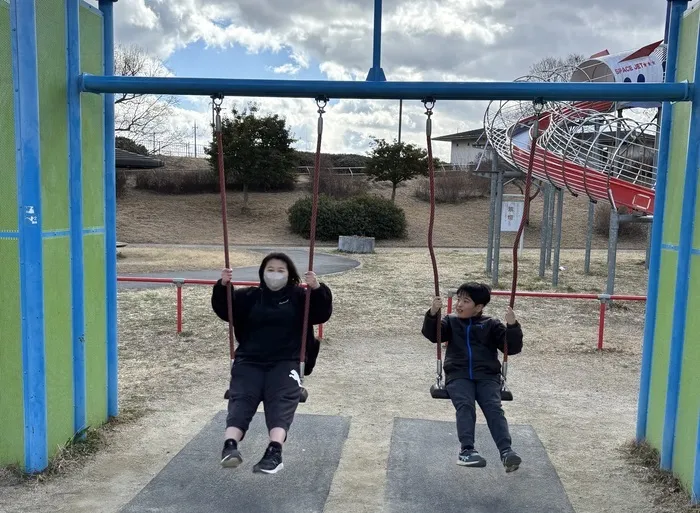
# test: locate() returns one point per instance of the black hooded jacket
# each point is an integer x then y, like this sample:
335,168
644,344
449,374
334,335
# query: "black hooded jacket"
268,324
473,344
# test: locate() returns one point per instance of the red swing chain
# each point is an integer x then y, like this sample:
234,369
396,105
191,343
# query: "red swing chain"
538,105
216,106
429,104
321,103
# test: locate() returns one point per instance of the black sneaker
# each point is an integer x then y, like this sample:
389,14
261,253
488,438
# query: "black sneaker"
271,462
511,461
231,456
470,458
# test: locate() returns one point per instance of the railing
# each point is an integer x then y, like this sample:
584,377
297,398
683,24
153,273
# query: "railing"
180,282
603,298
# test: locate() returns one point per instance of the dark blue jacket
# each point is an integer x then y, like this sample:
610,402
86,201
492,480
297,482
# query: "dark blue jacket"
473,344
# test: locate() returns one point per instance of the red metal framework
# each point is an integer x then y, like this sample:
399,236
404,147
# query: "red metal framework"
603,298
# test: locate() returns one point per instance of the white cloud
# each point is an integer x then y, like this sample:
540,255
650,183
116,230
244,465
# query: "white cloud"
434,40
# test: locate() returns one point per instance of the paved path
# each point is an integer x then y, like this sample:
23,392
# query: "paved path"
324,263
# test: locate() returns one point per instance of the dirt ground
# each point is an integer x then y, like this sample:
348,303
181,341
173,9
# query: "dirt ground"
375,365
145,217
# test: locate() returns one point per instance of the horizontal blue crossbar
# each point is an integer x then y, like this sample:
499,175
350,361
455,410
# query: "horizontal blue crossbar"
673,247
550,91
54,234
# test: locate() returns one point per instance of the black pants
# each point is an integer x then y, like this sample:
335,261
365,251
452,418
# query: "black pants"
276,384
486,392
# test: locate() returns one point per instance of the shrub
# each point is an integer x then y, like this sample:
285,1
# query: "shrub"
121,182
454,187
126,144
368,216
601,222
177,182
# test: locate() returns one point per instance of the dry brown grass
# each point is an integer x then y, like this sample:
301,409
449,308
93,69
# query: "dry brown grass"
196,219
375,365
671,495
131,260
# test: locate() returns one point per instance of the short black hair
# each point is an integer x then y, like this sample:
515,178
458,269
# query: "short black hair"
294,278
480,293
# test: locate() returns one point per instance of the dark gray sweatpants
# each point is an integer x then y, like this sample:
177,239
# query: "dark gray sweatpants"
276,384
487,393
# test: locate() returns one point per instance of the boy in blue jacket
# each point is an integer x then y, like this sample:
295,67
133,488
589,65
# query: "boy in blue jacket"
473,370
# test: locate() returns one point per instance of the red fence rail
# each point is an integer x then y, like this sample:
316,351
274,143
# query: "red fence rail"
181,282
603,298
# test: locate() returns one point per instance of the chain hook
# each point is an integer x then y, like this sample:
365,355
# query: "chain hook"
216,101
429,103
538,105
321,102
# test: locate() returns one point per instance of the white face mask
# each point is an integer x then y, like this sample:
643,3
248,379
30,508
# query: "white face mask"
275,281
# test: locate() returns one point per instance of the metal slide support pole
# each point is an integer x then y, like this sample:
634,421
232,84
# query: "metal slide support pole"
550,224
497,229
492,214
589,238
543,229
612,250
557,237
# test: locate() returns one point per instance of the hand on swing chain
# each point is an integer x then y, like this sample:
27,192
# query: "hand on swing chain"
436,306
311,280
226,276
510,316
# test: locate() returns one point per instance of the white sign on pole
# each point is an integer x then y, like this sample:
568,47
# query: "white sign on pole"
512,214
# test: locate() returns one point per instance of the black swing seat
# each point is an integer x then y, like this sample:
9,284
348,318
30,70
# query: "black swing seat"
442,393
302,399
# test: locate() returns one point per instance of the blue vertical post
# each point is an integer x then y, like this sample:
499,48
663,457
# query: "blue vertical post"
25,75
680,303
75,167
695,492
677,8
376,73
110,191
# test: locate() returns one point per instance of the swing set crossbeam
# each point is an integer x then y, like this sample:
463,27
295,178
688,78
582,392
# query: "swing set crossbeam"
376,90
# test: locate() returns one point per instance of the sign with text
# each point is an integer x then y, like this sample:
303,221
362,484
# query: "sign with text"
512,212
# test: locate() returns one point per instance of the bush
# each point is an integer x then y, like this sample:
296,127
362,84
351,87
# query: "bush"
307,159
368,216
126,144
121,182
454,187
601,222
177,182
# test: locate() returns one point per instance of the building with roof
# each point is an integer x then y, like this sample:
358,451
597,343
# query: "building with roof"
467,147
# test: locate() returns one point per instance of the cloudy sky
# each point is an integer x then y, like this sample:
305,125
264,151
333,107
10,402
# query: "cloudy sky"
436,40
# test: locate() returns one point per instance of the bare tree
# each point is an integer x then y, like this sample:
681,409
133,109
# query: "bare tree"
143,117
557,69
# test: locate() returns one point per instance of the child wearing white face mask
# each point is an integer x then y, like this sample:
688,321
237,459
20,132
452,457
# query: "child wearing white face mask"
267,321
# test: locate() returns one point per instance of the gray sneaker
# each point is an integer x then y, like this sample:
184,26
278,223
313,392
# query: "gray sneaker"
470,458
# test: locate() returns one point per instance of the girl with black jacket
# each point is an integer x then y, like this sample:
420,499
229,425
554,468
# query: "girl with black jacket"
267,322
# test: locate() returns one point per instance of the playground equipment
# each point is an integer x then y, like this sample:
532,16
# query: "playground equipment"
58,345
586,147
